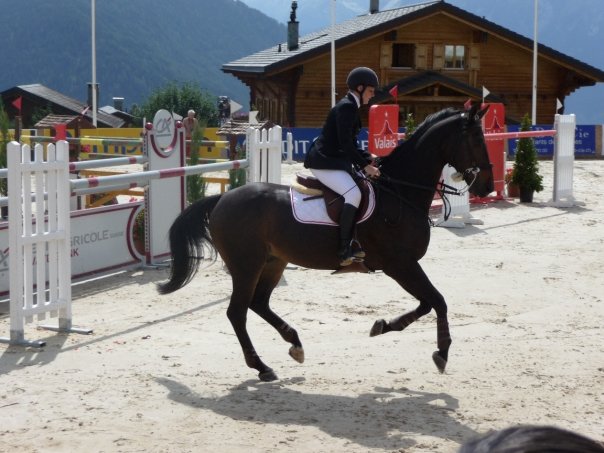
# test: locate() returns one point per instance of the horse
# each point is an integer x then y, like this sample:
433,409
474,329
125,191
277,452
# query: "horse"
395,237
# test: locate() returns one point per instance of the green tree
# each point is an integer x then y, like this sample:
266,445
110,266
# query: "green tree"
39,113
526,166
180,99
196,186
410,125
4,140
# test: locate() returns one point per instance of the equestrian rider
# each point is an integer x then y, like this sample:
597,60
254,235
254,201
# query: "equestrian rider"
336,153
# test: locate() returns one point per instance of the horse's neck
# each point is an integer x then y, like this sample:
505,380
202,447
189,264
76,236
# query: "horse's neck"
420,163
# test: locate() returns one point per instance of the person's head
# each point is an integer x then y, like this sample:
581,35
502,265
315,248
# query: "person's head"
534,439
363,81
191,113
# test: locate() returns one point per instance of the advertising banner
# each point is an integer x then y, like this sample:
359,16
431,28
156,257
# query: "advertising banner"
383,129
585,141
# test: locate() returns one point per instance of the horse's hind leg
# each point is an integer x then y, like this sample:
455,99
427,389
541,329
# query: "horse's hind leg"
244,285
271,274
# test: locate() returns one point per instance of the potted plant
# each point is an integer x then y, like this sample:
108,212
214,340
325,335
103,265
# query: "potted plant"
525,173
513,190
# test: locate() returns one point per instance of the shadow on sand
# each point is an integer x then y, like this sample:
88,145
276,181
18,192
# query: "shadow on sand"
378,419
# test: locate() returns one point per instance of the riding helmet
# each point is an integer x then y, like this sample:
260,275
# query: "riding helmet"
362,76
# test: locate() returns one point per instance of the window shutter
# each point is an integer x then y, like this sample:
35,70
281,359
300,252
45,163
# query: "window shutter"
474,58
386,56
439,57
421,56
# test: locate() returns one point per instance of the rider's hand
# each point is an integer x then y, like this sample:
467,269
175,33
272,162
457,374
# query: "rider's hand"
372,171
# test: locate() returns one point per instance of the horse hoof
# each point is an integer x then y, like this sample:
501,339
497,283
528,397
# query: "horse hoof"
378,328
297,354
439,362
268,376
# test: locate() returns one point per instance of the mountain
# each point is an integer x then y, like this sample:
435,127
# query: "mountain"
574,28
140,45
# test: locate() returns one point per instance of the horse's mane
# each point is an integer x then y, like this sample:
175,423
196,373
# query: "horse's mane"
430,121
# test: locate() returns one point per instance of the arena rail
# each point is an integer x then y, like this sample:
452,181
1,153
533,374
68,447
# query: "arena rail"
67,243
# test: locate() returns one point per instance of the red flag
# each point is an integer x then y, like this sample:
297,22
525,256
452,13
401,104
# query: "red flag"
394,91
17,103
60,131
468,104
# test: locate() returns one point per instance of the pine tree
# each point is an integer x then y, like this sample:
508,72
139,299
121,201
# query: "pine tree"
526,166
196,186
409,125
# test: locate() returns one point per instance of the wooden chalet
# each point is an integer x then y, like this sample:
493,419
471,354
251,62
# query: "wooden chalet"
38,97
437,54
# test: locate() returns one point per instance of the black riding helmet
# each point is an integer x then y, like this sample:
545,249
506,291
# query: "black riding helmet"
362,76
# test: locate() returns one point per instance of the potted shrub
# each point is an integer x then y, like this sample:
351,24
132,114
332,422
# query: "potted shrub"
513,190
525,173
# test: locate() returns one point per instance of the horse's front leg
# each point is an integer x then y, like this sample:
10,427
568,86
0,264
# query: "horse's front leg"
413,279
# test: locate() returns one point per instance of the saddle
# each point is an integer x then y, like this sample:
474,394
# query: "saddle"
334,202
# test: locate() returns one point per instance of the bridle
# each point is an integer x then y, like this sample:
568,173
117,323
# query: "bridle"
442,188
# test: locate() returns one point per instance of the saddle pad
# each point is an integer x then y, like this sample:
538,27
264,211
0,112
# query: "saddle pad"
313,211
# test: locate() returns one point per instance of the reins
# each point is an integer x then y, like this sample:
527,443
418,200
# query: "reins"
442,189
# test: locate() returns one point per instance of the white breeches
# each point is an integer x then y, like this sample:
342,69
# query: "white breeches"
341,182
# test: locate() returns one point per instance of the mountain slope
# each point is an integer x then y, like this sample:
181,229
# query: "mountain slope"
141,45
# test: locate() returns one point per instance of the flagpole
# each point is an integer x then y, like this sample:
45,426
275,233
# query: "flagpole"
94,99
333,53
534,115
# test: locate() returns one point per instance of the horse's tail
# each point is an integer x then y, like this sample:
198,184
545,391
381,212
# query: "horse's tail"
188,235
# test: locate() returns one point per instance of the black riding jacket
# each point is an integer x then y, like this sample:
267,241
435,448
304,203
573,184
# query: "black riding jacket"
337,147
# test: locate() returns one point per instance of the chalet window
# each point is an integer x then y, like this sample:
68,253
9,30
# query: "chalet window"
403,55
455,57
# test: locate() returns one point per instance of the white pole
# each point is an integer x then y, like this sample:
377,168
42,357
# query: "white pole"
94,99
333,53
534,116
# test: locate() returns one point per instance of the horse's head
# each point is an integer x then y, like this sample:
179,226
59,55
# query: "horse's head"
470,157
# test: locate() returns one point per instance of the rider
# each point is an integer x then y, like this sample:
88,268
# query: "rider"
336,152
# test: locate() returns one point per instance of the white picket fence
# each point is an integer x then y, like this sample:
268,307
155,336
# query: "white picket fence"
39,242
39,220
266,147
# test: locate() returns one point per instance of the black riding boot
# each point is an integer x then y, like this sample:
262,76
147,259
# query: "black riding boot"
346,253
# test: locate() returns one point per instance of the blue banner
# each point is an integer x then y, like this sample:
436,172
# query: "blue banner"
585,141
304,136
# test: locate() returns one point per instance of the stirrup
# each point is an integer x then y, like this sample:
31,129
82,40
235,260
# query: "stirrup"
357,252
346,256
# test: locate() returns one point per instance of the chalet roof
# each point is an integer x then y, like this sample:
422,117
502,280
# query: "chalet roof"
52,120
110,110
278,58
44,95
235,127
425,79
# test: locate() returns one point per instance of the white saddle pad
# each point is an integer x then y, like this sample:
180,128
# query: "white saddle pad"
314,211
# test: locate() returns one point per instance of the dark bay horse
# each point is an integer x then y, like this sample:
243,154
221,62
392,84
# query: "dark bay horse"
254,231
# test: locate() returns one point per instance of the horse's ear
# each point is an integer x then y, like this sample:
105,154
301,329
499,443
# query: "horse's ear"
472,111
482,112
